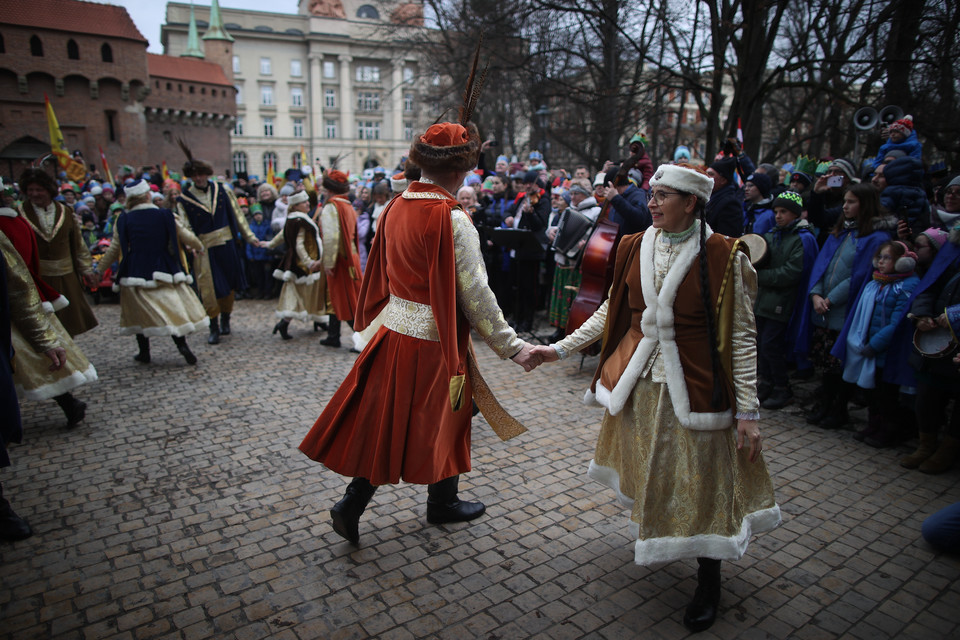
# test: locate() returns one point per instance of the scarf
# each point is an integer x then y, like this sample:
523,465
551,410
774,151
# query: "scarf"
889,278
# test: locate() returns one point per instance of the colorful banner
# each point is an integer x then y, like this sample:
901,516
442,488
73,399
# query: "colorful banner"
57,146
106,166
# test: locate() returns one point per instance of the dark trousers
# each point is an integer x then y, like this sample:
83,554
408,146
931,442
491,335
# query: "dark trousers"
260,274
526,301
772,351
932,401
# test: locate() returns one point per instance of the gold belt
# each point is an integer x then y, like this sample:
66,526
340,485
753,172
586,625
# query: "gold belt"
223,235
61,267
411,319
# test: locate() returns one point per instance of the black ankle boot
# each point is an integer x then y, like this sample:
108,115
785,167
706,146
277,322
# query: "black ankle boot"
444,506
74,409
282,328
144,343
346,513
224,324
214,337
702,610
184,350
12,526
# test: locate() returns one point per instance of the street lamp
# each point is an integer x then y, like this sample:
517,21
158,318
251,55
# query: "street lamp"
543,119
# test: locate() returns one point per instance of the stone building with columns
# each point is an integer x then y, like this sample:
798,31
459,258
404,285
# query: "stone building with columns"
329,81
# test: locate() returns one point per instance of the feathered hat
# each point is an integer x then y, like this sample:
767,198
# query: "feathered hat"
193,167
334,180
453,146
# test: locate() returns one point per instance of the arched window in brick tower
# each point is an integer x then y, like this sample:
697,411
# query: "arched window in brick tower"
73,51
36,46
106,53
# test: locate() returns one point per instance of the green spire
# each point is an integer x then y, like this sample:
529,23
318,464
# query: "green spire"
194,50
216,31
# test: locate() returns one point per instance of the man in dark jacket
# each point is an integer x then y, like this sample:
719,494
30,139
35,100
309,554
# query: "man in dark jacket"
904,195
531,211
725,207
628,203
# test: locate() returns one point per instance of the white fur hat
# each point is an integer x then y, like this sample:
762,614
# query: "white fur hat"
138,188
297,198
683,179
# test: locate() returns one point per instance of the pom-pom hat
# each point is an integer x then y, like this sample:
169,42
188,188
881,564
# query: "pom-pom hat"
903,126
685,178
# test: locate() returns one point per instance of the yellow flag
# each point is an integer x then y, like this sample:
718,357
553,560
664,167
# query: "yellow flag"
271,176
304,168
57,146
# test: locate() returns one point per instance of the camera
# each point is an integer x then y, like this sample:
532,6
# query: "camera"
835,181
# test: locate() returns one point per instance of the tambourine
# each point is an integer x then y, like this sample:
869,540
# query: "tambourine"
757,247
935,343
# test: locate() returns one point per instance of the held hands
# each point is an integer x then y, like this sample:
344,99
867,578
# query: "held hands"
749,430
316,265
546,353
526,358
91,279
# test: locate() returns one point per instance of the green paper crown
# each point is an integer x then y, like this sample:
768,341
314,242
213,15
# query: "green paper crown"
805,164
822,168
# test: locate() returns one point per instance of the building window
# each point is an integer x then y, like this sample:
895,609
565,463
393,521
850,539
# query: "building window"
331,129
330,98
368,130
36,47
203,91
298,127
296,96
265,67
408,102
169,87
266,94
268,127
368,73
3,47
295,69
236,87
368,101
238,126
106,53
269,157
111,125
368,12
191,88
408,131
73,51
329,70
295,160
239,162
236,64
407,74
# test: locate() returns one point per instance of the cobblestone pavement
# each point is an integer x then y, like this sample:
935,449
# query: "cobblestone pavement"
181,508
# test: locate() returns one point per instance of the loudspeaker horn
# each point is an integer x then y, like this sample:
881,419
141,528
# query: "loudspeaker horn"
865,118
890,114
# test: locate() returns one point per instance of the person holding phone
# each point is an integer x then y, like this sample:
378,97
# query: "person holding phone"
825,205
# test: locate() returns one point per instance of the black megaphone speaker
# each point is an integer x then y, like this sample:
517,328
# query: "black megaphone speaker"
865,118
890,114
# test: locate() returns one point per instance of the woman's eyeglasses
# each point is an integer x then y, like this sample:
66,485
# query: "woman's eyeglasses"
660,196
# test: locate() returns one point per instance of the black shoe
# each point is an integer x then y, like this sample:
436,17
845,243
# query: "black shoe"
702,610
12,526
764,389
346,513
214,337
144,343
443,505
224,324
778,399
282,328
835,420
184,350
74,409
319,326
330,342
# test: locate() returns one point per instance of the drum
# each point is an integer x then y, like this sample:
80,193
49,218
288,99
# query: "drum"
572,228
757,246
936,343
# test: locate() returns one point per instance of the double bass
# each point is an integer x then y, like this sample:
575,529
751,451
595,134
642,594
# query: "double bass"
597,263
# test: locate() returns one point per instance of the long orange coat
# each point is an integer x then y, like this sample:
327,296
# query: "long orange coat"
344,285
392,417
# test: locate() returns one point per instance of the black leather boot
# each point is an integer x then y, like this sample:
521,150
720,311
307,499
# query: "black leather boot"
214,337
333,333
12,526
282,328
74,409
224,324
144,343
702,610
184,350
444,506
346,513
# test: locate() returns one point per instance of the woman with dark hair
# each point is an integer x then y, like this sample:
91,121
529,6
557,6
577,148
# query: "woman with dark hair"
843,266
155,294
672,441
65,262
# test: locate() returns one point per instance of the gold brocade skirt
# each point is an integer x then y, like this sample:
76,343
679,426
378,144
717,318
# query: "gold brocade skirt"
303,301
690,493
31,370
167,310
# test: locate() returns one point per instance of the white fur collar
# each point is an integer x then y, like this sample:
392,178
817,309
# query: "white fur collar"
145,205
7,212
657,324
316,230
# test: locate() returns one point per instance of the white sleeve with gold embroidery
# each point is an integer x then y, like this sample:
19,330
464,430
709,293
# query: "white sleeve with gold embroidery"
474,296
744,340
588,333
330,230
303,256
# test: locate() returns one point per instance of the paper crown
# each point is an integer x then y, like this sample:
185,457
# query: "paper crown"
806,164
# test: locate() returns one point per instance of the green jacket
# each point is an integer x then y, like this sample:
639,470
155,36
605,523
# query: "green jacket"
779,277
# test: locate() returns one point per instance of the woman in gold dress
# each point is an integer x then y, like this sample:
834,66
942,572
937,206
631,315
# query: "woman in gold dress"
672,440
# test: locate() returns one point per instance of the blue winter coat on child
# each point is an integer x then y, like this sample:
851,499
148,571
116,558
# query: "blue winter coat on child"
911,146
263,232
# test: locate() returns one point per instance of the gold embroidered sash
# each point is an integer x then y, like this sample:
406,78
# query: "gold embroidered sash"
223,235
410,318
60,267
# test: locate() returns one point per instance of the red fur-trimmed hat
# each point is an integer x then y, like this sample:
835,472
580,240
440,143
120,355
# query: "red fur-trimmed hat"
447,146
336,181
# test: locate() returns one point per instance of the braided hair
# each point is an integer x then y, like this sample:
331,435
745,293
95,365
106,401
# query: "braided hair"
708,307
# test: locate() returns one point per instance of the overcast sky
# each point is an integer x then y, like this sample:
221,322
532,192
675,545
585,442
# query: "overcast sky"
148,15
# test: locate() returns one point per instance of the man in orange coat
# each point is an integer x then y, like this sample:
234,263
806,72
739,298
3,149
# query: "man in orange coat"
341,255
404,411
